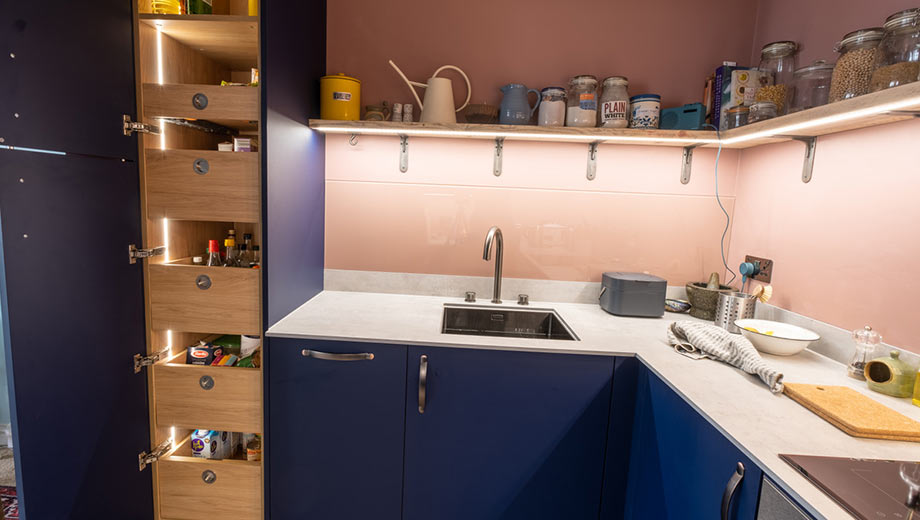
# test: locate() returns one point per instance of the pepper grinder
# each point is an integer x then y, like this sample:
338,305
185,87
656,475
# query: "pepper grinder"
866,340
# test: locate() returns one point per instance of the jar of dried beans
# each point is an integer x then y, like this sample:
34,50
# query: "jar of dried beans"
898,60
853,72
778,60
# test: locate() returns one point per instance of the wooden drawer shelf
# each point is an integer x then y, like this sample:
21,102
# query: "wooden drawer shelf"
233,107
235,493
233,403
208,299
227,191
227,39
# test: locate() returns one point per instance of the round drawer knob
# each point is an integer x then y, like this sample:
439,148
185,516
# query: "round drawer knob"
206,382
200,101
203,282
201,166
208,476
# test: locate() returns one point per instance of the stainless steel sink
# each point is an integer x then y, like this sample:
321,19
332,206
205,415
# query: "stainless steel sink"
509,323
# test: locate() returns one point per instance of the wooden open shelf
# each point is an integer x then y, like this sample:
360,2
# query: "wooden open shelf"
227,39
874,109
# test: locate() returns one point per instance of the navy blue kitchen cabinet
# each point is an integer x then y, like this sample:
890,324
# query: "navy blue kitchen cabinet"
505,435
335,424
680,465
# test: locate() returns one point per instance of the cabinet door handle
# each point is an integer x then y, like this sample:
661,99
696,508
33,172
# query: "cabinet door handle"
730,490
422,382
332,356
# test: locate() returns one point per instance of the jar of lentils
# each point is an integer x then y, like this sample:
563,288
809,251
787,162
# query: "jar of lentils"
853,72
898,60
778,59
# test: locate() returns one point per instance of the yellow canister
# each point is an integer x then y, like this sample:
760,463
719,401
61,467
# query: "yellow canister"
340,97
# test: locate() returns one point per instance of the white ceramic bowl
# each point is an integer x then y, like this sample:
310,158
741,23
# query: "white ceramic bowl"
785,339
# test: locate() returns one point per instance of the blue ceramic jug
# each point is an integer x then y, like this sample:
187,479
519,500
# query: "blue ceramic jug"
515,109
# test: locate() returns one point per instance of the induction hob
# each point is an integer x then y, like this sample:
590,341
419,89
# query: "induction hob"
868,489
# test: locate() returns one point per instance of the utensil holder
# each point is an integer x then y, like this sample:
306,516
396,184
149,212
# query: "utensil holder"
734,306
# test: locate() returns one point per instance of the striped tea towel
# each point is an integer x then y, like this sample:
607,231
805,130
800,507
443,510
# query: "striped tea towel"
702,340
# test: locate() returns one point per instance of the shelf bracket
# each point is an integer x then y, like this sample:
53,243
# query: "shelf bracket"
686,163
592,160
497,160
404,153
810,144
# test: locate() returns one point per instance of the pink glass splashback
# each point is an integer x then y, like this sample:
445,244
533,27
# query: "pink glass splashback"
635,216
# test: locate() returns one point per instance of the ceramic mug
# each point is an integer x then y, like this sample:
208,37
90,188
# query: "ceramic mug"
376,112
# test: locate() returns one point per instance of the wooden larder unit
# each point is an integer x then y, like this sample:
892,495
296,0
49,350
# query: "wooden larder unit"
192,193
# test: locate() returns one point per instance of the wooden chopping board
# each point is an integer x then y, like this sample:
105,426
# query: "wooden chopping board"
853,412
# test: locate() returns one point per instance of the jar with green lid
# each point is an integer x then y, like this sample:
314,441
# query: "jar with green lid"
853,72
898,60
778,60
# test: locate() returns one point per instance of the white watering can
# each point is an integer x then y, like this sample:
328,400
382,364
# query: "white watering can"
439,96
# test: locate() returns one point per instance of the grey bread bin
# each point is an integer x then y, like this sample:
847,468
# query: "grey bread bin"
633,294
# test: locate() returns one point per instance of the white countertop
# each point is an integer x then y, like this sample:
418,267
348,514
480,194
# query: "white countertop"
761,424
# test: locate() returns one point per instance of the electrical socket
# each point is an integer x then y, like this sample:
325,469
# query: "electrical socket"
765,267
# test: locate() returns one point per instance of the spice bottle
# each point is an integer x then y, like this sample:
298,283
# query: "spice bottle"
866,341
853,72
615,103
581,106
778,60
898,59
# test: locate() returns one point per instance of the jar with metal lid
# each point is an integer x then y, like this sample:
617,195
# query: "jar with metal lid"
811,86
898,60
737,116
552,107
853,72
614,109
581,105
761,111
778,60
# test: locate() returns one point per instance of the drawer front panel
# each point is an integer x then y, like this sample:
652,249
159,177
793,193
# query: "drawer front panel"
203,185
210,102
235,493
217,398
229,304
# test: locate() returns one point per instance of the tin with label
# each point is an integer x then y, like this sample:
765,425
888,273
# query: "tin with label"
340,98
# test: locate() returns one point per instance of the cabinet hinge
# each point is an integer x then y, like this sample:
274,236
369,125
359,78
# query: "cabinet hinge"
134,253
146,361
144,459
130,127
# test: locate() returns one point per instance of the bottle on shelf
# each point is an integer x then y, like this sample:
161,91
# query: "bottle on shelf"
214,254
246,250
232,254
256,258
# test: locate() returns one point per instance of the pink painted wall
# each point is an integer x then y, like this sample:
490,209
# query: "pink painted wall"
818,24
667,47
635,216
846,245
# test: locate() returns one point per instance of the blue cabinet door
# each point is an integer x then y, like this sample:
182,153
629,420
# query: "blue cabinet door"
334,430
680,464
505,435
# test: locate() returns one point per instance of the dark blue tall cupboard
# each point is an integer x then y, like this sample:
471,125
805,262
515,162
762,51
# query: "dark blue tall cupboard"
110,184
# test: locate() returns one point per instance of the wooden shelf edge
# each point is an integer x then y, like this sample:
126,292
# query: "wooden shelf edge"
878,108
150,17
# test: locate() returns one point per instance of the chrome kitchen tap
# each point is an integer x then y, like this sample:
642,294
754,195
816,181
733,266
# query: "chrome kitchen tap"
495,233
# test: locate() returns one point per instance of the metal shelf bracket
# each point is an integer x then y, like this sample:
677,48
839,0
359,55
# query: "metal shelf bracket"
686,163
810,144
497,160
404,153
592,160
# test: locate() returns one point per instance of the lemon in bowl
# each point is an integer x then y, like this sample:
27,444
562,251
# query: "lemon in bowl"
774,337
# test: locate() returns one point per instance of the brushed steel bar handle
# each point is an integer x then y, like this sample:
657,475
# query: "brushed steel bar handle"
730,490
422,382
332,356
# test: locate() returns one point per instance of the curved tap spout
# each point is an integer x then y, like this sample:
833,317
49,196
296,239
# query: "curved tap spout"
495,235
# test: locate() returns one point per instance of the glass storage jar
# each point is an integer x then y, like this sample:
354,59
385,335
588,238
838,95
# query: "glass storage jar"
581,105
737,116
853,72
614,109
811,86
898,60
761,111
552,107
778,60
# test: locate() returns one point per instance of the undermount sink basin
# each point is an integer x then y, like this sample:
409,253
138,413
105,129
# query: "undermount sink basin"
509,323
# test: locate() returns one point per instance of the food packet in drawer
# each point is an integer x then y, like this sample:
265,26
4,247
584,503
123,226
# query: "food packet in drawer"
206,444
202,354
